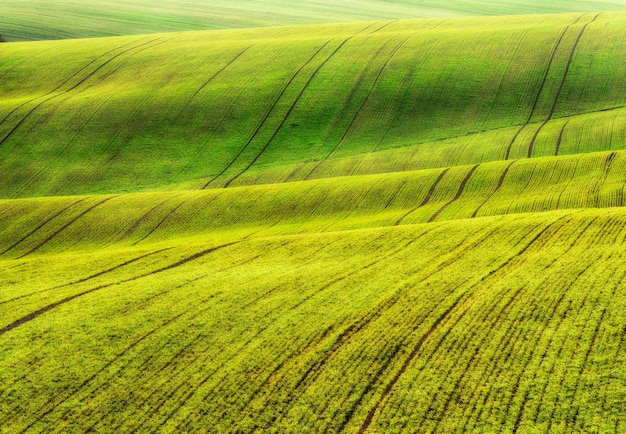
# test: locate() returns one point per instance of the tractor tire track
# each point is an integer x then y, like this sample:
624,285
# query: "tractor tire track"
289,111
196,387
494,373
104,55
498,186
211,137
426,199
560,139
364,103
163,220
33,315
458,193
211,78
477,348
560,89
541,87
128,232
89,379
395,194
367,319
79,83
267,114
65,226
85,279
291,108
45,222
414,352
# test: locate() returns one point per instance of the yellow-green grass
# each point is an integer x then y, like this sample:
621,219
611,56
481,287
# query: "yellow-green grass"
226,108
493,324
78,223
36,19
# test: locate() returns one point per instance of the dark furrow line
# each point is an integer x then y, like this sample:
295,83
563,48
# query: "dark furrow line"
395,195
471,360
293,105
158,225
193,343
587,354
543,83
576,351
404,83
196,387
210,79
31,316
310,343
42,225
363,104
552,369
100,371
457,196
426,198
529,358
145,217
80,82
560,89
218,124
380,28
7,210
500,182
350,331
480,345
415,326
267,115
65,82
490,373
141,368
65,226
608,165
560,139
416,349
93,276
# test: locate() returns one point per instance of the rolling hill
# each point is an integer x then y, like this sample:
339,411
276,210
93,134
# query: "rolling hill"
36,19
411,225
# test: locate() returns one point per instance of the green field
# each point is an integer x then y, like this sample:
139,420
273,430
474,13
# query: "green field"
323,218
37,19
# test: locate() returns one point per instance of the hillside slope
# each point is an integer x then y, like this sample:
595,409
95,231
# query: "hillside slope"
282,104
381,226
494,324
36,19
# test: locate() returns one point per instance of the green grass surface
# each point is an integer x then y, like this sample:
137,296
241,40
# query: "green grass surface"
491,324
212,109
372,226
36,19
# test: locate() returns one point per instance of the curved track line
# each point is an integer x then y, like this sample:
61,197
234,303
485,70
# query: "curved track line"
500,182
65,226
458,193
416,349
543,83
426,198
210,79
65,82
80,82
293,105
267,115
42,225
363,104
85,279
560,139
33,315
558,93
